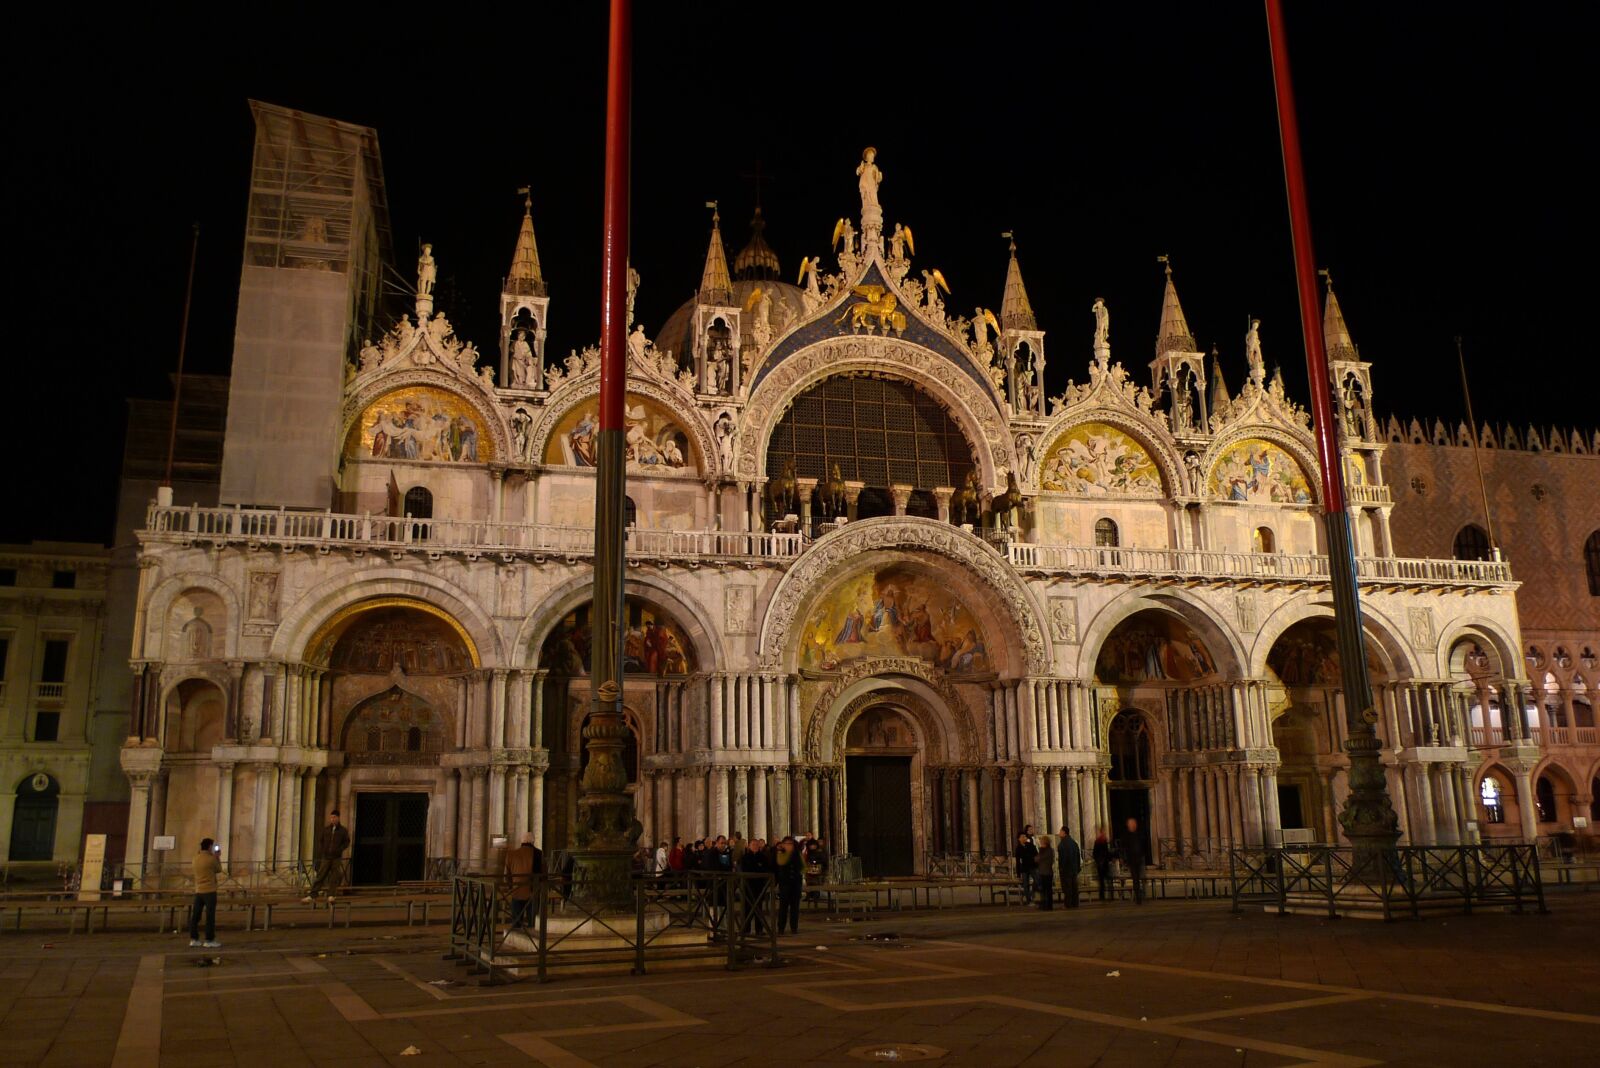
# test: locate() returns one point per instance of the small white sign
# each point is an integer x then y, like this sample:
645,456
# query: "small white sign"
498,841
1580,822
164,841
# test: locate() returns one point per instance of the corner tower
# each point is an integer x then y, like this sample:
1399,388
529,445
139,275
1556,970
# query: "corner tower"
1179,368
524,309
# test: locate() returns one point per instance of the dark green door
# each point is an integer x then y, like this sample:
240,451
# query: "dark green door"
33,820
391,839
879,810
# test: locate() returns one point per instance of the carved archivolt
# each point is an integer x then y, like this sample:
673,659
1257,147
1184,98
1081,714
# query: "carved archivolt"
923,718
843,546
974,412
908,666
672,399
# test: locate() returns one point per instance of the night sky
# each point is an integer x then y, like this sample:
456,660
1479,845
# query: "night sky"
1444,148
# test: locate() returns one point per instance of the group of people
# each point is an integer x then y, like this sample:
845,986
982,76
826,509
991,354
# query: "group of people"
791,860
1040,859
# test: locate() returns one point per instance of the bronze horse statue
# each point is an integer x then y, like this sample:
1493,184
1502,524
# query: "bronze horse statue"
1003,508
833,502
783,491
965,506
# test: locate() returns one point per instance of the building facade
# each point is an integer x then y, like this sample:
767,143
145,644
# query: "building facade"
52,611
879,587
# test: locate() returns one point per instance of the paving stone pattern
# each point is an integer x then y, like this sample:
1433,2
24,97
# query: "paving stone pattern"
1170,983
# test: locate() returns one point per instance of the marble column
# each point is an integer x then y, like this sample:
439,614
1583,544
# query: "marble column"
1269,788
1053,819
1235,815
1526,808
813,791
224,810
740,821
1254,817
714,712
974,842
1447,825
1422,823
463,812
758,800
1181,834
451,847
497,799
476,843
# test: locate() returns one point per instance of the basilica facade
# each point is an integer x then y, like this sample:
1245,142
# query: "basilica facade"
879,587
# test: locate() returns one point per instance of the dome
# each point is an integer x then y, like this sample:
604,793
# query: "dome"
756,261
788,306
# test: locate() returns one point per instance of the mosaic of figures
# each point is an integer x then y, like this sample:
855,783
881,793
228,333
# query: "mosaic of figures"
652,644
1153,647
384,639
1259,472
420,423
1096,460
880,728
1308,655
655,443
896,611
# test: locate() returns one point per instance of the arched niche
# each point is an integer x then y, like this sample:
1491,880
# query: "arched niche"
657,442
1155,647
899,608
1098,459
1255,470
420,423
1218,640
195,717
654,643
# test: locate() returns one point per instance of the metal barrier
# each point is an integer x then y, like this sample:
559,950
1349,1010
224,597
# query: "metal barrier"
736,911
1407,880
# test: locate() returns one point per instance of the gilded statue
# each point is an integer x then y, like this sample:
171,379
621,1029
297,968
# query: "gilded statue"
876,303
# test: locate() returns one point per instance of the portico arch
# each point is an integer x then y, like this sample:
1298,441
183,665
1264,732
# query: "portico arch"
320,616
1382,635
1220,639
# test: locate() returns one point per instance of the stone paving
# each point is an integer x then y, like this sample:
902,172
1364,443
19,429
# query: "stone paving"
1168,983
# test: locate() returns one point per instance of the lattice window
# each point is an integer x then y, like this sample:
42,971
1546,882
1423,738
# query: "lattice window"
879,432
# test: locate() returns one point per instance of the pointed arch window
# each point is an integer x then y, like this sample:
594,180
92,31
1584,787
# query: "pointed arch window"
1130,748
1489,792
1591,563
1472,543
1544,797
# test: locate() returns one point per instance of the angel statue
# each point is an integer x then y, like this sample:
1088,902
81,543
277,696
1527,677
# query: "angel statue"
845,231
900,241
812,294
870,177
982,320
932,282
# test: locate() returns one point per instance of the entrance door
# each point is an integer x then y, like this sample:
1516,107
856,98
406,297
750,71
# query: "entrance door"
391,838
878,793
33,819
1291,813
1135,802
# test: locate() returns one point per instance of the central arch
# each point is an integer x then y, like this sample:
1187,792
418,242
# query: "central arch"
870,541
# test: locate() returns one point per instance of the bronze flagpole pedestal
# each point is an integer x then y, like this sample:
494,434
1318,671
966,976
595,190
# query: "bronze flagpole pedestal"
606,830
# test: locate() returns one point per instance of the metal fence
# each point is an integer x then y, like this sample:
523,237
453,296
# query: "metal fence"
1406,881
731,917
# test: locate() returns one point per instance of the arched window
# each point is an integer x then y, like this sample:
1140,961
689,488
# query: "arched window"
374,739
630,512
1472,543
1591,563
1105,533
419,503
1544,796
1262,541
414,740
1130,748
1493,812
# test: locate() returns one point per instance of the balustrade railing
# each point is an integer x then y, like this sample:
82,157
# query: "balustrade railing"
317,529
1205,563
1366,493
382,532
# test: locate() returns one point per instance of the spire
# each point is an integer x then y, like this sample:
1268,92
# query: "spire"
525,278
1220,400
716,287
1335,334
1173,333
1015,311
756,261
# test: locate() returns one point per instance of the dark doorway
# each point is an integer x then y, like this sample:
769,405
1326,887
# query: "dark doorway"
1290,812
391,839
878,791
1134,802
33,821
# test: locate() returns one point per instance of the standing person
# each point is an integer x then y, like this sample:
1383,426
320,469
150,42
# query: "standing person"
736,848
1070,857
206,866
661,858
1101,853
332,841
1045,875
753,863
1027,857
1132,846
675,855
790,870
519,867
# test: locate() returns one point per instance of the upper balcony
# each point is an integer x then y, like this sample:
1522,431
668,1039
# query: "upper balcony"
326,531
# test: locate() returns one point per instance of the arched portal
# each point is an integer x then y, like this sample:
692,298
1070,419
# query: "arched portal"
33,820
1133,773
882,760
195,717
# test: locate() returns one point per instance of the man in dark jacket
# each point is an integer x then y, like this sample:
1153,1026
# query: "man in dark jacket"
1101,854
1027,858
1045,874
332,841
1070,857
1132,845
789,867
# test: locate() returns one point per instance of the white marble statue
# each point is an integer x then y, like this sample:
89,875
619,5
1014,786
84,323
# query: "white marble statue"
637,342
427,272
521,423
1252,352
1102,324
761,328
521,361
633,290
727,432
869,178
